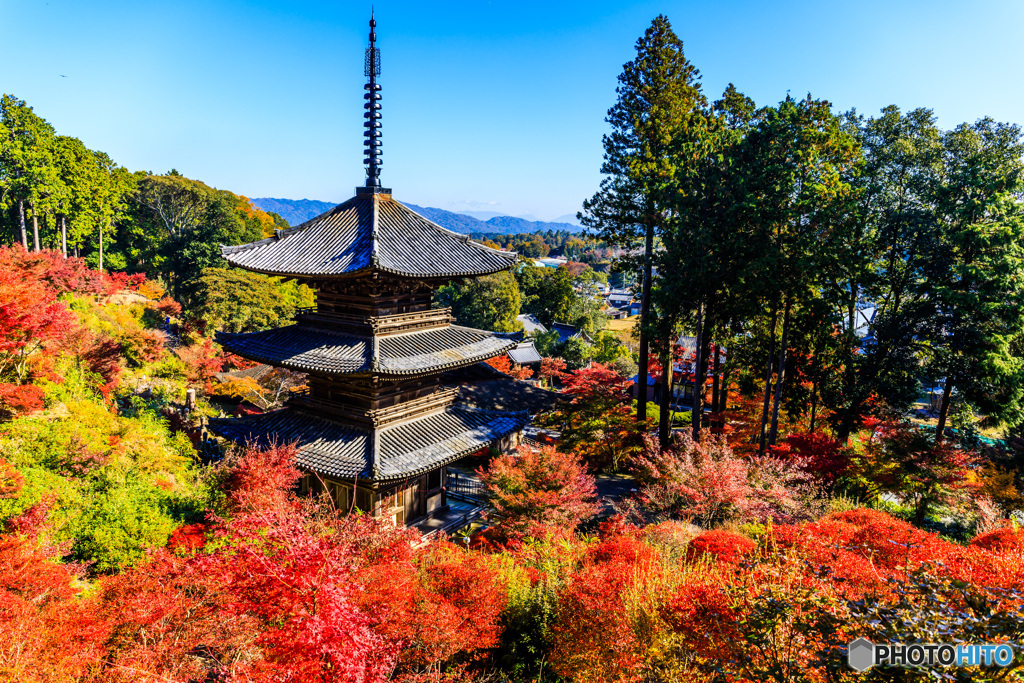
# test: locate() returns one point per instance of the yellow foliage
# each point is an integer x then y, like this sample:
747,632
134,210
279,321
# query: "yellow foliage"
264,219
151,290
242,388
1000,485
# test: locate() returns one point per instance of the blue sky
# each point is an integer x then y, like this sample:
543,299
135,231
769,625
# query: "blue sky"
488,105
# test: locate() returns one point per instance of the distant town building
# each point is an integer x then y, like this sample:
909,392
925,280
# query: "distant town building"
619,298
550,262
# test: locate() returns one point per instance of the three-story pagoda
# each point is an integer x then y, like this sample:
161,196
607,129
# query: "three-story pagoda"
376,427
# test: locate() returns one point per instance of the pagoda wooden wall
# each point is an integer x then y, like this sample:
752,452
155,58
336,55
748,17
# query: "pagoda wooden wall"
404,502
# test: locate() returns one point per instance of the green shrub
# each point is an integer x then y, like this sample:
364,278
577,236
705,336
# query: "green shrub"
117,484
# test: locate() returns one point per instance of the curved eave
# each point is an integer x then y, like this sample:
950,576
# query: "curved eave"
518,421
346,452
366,270
376,366
455,363
225,341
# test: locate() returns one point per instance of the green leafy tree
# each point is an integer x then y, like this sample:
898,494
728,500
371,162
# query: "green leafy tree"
547,343
111,189
239,301
798,164
896,222
485,303
975,271
708,242
576,353
71,204
608,348
26,169
181,224
556,295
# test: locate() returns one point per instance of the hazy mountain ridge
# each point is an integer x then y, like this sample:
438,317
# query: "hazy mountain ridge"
297,211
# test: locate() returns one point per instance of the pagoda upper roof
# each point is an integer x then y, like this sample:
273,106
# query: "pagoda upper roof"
403,450
308,349
370,232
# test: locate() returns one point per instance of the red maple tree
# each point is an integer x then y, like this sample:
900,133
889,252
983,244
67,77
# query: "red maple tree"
536,492
30,317
504,364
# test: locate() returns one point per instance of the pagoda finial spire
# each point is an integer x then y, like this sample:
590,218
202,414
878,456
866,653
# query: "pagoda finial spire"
371,135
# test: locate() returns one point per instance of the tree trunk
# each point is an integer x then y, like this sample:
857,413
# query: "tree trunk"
704,340
768,380
101,247
664,419
645,309
35,228
715,369
943,410
698,395
781,376
723,400
21,219
64,235
814,405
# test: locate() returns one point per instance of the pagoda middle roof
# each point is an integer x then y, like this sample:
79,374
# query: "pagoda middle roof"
309,349
370,232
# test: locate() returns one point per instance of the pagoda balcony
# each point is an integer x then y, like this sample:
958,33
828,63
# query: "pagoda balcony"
376,325
373,418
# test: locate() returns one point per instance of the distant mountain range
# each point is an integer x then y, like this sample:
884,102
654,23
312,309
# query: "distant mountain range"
297,211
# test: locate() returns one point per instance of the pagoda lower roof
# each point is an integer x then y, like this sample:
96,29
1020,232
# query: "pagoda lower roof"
369,232
404,450
309,349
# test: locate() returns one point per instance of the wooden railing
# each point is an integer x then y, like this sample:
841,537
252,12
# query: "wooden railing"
378,325
465,487
379,417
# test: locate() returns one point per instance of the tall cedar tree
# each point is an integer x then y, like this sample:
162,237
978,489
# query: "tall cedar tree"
705,248
657,94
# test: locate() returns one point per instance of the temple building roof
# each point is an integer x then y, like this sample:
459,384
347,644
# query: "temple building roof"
481,386
308,349
386,454
370,232
524,353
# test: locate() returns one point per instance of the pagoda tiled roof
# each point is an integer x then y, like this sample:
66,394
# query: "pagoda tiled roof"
403,450
368,232
309,349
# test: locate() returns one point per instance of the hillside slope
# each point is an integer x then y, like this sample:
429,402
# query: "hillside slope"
294,211
297,211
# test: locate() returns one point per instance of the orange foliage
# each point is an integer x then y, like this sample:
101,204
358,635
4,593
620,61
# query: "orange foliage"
1007,539
724,546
